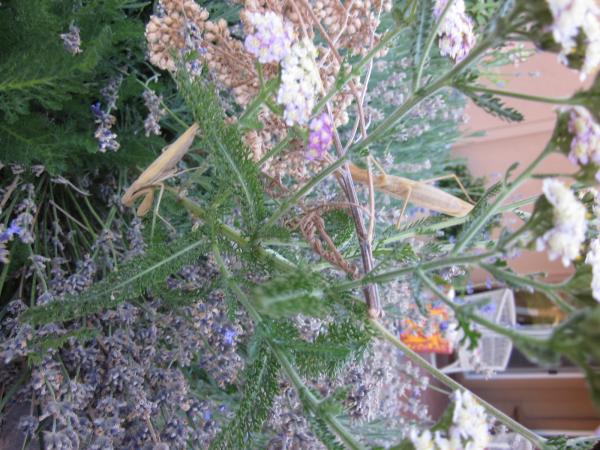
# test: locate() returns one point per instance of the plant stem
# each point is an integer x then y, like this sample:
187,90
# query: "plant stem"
421,94
432,36
538,285
533,98
257,102
275,150
426,266
459,309
305,394
232,234
512,424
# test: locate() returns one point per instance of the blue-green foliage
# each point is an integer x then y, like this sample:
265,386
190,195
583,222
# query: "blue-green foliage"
46,92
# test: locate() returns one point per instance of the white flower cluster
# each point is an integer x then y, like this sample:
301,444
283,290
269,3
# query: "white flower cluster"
456,31
571,17
469,429
564,240
300,82
273,37
585,146
593,259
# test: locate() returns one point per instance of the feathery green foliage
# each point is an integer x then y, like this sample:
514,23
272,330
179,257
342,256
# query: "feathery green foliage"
261,387
231,158
494,106
46,92
132,280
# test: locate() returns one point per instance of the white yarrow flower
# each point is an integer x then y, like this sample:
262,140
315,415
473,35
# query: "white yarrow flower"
456,36
300,83
571,17
564,240
469,429
593,259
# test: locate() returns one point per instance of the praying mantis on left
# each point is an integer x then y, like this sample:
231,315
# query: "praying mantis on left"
161,169
418,192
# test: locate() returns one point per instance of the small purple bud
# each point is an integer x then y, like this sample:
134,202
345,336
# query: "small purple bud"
470,289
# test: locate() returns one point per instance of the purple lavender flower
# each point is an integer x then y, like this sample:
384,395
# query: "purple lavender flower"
155,112
470,289
229,336
319,138
71,40
107,140
488,283
273,37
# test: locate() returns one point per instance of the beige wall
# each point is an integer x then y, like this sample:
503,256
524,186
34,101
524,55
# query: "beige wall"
506,143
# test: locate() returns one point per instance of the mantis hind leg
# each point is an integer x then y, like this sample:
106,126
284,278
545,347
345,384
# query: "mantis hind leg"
406,199
157,212
455,178
408,191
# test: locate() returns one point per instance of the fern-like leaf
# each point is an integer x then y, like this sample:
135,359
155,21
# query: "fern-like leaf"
132,280
236,172
421,29
494,106
260,389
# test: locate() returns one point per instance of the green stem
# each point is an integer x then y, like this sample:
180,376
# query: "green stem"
512,424
81,213
538,285
421,94
305,394
257,102
428,45
275,150
479,222
533,98
426,266
232,234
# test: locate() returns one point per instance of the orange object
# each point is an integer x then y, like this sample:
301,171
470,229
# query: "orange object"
414,336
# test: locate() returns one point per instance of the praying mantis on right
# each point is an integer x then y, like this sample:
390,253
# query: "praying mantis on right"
417,192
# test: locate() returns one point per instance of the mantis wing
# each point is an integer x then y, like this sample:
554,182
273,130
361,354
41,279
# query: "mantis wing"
159,170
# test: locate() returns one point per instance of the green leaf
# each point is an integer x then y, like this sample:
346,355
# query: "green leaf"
493,105
421,30
132,280
261,387
236,173
565,443
299,292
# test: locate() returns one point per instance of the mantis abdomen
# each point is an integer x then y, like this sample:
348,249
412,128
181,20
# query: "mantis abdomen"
418,193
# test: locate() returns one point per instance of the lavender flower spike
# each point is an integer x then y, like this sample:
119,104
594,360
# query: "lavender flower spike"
71,40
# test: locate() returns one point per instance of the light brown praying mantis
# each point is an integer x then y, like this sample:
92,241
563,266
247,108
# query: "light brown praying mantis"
418,192
161,169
